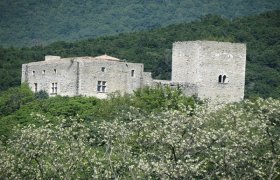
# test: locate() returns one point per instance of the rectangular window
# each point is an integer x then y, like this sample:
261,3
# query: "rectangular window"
44,72
33,73
132,73
55,71
54,88
35,87
101,86
103,69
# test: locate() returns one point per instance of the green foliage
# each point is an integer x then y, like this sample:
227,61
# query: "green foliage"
12,99
161,98
30,22
153,48
90,108
237,141
41,95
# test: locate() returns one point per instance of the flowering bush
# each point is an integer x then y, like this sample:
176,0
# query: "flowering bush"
235,141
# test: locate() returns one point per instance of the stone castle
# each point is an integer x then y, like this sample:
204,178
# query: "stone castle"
208,69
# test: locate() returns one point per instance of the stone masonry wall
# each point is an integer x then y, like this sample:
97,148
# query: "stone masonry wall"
80,76
44,73
226,59
208,69
202,62
117,75
185,62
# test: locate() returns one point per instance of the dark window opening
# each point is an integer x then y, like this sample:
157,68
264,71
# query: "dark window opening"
224,78
132,73
220,78
101,86
35,87
103,69
54,88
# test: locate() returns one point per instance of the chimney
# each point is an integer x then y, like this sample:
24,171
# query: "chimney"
50,58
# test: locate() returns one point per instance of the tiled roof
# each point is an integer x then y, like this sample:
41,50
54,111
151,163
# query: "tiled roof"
106,57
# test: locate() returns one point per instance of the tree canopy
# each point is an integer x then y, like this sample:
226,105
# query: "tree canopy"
40,22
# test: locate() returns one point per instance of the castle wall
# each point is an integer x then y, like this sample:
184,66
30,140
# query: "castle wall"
210,70
185,62
189,89
147,79
45,73
116,75
84,76
222,59
202,62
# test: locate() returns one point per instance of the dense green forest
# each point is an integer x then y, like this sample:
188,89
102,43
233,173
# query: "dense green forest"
155,133
261,34
40,22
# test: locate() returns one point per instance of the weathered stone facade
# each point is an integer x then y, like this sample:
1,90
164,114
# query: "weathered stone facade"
207,69
87,76
215,69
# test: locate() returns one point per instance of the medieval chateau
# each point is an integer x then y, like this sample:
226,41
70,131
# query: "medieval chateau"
208,69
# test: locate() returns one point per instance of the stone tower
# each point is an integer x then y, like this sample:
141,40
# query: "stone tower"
211,70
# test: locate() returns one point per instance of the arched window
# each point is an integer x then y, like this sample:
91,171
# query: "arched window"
224,79
220,78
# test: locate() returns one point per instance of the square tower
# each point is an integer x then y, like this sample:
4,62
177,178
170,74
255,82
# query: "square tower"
216,69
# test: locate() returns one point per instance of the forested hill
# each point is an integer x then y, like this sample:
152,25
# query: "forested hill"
39,22
261,33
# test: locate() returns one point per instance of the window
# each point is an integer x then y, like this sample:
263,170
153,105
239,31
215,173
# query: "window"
223,79
55,71
103,69
220,78
44,72
101,86
54,88
132,73
35,87
33,73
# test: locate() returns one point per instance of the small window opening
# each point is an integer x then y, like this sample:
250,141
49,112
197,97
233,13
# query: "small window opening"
33,73
35,87
103,69
101,86
54,88
132,73
220,78
44,72
224,79
55,71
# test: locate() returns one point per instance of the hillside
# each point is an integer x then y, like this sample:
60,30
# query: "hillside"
261,33
40,22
